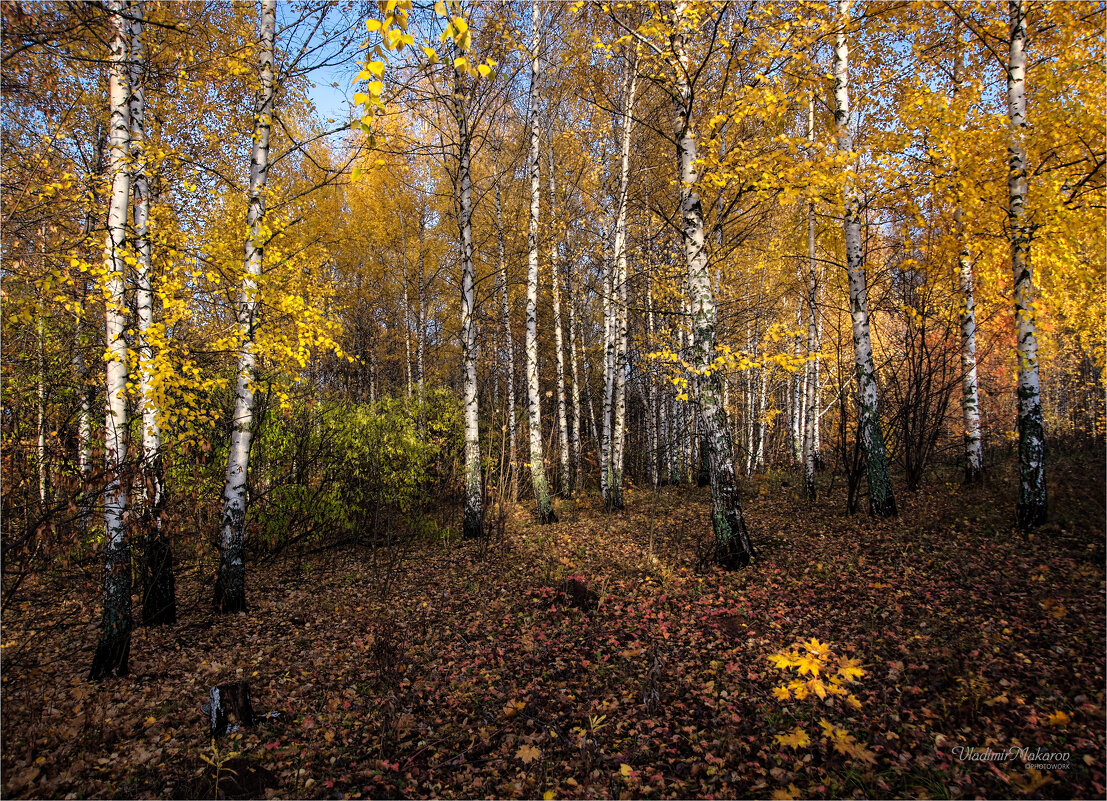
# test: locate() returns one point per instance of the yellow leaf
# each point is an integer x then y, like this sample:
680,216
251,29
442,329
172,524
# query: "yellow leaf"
1057,719
796,739
548,795
782,693
513,708
373,24
484,70
440,8
786,795
625,769
528,753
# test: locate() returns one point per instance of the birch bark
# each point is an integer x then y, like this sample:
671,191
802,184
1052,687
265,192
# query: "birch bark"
559,340
574,434
159,603
473,525
1031,510
970,397
732,542
543,509
619,285
114,647
509,342
810,444
230,586
882,502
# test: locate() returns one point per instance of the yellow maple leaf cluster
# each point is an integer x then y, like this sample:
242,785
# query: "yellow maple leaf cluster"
827,675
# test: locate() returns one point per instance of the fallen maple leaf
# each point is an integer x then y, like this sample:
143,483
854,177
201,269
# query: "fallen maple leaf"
528,753
1057,719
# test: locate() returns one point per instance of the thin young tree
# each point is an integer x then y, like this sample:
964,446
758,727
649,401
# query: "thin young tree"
559,339
159,602
543,508
810,444
114,647
882,502
473,523
1031,510
732,542
230,585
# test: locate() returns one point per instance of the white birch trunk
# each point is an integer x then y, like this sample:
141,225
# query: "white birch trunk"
230,587
559,346
421,334
114,647
543,509
881,499
159,603
797,389
41,390
651,389
733,546
1031,510
473,524
574,435
970,398
619,286
509,344
811,415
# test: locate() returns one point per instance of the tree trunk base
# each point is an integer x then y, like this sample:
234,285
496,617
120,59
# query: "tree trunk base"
471,528
112,654
229,598
159,601
1031,515
974,476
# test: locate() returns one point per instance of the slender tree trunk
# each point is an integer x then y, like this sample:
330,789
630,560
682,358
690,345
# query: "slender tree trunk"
114,647
882,502
407,329
606,477
543,509
797,389
733,547
619,285
41,391
588,391
78,360
509,341
811,416
230,586
159,603
651,389
574,435
421,333
970,398
559,346
1031,510
473,524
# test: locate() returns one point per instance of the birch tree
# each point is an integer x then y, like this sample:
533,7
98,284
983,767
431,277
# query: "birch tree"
159,604
114,647
732,543
230,585
509,346
559,346
472,525
970,399
543,509
1031,510
810,444
881,499
618,288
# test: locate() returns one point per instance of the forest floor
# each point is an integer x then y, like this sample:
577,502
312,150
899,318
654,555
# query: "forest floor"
462,670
